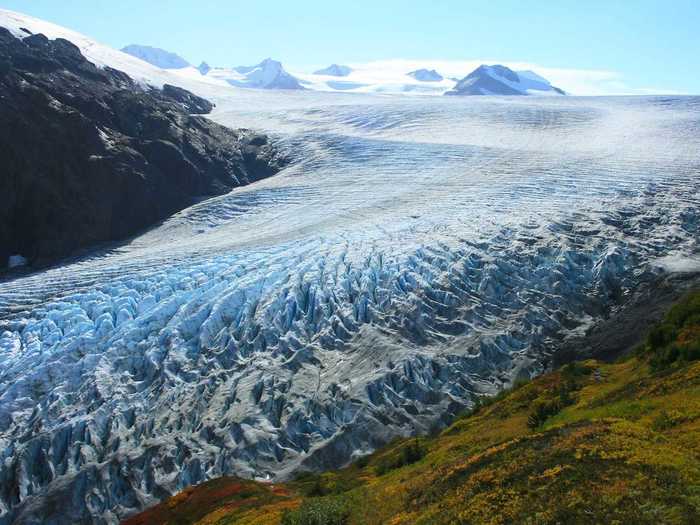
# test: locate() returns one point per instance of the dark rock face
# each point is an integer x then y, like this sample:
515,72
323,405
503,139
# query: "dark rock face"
190,103
87,155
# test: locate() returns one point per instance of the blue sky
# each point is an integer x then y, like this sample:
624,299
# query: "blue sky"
642,45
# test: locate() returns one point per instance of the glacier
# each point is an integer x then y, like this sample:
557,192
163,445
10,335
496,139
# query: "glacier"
417,254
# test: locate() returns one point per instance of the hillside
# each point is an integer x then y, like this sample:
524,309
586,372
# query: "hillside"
592,442
91,156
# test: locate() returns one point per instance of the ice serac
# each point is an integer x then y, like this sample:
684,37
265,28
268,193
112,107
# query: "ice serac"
426,75
115,156
156,56
500,80
334,70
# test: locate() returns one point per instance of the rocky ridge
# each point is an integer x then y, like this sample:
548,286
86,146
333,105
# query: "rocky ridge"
89,155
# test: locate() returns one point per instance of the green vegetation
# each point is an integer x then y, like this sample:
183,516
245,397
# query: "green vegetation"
677,338
333,511
560,396
591,442
223,501
406,454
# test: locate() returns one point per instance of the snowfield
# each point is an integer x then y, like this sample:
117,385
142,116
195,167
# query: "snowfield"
418,253
102,55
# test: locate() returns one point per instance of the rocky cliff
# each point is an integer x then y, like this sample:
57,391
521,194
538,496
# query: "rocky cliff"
88,155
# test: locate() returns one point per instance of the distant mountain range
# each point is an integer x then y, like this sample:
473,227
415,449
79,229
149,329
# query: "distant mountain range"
268,74
156,56
484,80
426,75
500,80
334,70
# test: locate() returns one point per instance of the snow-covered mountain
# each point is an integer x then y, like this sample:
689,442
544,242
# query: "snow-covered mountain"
101,55
376,77
426,75
391,77
204,68
156,56
268,74
334,70
138,184
500,80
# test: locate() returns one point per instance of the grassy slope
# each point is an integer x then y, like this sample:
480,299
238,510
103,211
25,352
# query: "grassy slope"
589,443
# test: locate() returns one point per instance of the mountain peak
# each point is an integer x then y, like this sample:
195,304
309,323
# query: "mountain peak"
335,70
501,80
268,74
204,68
495,70
426,75
267,64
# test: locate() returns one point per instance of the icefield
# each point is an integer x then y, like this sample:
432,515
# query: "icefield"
417,253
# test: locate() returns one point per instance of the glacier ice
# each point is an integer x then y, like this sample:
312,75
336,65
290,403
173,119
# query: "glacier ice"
416,255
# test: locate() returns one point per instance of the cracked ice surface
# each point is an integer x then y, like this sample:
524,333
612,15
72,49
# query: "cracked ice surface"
417,254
